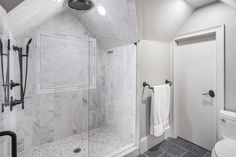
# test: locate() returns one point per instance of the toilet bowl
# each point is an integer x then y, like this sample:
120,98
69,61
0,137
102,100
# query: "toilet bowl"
224,148
227,146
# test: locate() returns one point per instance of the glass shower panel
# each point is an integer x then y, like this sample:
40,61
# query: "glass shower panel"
112,110
61,73
57,97
4,89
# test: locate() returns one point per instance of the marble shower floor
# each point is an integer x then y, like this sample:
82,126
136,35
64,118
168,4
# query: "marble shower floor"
101,142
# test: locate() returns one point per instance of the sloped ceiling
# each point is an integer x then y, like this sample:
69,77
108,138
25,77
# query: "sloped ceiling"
118,23
160,20
8,5
32,13
231,3
199,3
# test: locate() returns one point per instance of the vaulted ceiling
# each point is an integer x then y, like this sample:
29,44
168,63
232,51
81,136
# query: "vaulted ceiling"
158,19
119,22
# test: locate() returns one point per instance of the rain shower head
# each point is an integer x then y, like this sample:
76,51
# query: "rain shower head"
80,4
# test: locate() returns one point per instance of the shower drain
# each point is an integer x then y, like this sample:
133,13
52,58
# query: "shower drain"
77,150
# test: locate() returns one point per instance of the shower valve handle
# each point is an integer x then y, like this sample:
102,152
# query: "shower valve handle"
14,84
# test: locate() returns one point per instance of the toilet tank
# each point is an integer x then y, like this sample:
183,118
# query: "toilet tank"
227,124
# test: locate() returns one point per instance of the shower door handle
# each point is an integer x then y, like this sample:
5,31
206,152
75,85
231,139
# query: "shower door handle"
211,93
13,141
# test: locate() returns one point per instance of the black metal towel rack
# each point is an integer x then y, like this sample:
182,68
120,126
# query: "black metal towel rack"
145,84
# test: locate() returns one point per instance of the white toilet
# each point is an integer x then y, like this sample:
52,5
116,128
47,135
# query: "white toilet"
227,125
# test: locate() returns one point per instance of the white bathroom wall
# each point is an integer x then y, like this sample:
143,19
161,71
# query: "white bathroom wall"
158,22
218,14
155,69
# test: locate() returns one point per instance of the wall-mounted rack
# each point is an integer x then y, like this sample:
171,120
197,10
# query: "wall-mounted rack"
9,84
145,84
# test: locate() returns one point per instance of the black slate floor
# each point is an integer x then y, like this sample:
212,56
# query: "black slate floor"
177,147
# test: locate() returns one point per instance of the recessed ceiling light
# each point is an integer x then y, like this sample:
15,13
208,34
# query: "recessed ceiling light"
101,10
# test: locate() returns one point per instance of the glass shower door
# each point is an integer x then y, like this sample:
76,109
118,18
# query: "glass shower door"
112,109
55,119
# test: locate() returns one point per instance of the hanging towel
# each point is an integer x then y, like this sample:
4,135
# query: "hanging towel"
160,109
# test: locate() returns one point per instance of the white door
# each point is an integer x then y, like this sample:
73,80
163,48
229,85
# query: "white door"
195,74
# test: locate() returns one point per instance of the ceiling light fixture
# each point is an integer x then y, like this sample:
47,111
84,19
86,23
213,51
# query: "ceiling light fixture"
101,10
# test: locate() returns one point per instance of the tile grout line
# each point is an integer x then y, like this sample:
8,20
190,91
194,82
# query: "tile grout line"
175,145
170,154
158,156
178,145
184,154
206,154
186,149
162,153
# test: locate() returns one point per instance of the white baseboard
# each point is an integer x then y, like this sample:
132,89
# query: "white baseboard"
149,141
145,144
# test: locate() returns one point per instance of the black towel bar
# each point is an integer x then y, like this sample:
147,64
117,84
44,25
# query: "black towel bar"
145,84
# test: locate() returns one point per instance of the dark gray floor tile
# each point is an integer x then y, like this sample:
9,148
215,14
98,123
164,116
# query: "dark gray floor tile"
142,155
166,155
189,146
154,153
189,154
171,148
208,154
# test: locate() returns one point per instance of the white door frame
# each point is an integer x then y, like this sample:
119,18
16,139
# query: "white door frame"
219,32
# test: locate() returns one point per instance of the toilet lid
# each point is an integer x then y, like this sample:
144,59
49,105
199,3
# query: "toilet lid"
226,148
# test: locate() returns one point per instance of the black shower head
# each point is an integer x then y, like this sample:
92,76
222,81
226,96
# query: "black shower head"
81,4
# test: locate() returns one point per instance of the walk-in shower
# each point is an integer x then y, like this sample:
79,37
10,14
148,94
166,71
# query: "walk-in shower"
77,80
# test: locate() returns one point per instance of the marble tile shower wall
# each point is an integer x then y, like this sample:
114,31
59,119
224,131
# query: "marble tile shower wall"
51,116
118,94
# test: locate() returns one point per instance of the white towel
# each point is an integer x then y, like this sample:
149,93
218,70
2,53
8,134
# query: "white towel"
160,110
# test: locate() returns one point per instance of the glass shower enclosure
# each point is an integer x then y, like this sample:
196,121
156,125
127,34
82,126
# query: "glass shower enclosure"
81,92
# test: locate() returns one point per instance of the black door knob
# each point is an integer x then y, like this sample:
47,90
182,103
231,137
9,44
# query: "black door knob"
211,93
